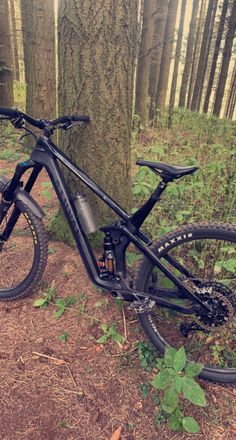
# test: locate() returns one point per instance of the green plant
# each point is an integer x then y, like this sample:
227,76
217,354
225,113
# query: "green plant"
146,355
110,332
47,297
46,192
9,155
63,337
176,381
62,304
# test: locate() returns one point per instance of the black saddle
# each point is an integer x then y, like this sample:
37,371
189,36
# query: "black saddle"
173,172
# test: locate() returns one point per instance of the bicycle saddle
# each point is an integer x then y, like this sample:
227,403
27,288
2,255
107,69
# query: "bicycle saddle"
174,172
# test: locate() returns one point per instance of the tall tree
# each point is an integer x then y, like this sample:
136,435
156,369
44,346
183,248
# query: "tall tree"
158,38
14,41
196,52
6,58
229,107
166,54
97,51
200,70
177,54
38,24
144,61
207,53
189,54
216,54
225,60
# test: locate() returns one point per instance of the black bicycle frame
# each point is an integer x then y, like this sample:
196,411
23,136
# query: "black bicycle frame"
124,231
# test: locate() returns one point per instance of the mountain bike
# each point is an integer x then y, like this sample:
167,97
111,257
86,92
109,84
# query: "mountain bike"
184,290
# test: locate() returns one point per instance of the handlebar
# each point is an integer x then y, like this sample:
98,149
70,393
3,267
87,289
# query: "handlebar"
17,115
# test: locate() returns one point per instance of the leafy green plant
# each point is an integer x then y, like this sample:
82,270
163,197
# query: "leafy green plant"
110,332
9,155
175,380
62,304
63,337
46,192
47,297
146,355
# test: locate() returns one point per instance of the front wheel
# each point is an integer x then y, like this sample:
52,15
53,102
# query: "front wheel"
204,257
23,255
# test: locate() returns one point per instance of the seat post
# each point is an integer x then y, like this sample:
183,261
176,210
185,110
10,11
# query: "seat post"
141,214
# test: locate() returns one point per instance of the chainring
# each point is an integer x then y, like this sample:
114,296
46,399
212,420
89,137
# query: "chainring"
218,297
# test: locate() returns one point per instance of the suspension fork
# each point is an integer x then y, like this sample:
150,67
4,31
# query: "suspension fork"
10,195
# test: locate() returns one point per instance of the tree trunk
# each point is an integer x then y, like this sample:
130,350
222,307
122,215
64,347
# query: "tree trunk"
232,102
144,61
177,55
38,25
216,54
229,108
166,54
14,42
200,70
207,53
196,52
189,54
6,58
97,50
158,38
225,60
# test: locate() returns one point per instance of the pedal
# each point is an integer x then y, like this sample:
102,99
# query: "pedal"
143,306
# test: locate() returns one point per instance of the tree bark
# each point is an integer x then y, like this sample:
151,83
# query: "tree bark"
14,42
144,61
97,51
207,53
229,108
166,54
38,25
200,70
177,55
216,54
225,60
189,54
196,53
6,58
158,39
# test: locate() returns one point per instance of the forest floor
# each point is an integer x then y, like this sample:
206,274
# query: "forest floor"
58,383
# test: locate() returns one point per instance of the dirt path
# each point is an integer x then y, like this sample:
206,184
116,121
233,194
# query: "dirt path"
78,389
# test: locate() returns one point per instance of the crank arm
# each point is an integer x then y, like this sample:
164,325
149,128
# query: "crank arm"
139,296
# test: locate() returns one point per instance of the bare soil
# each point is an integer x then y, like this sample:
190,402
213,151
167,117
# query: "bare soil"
80,389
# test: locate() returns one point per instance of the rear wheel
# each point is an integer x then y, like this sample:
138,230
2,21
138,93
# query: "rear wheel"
207,251
23,256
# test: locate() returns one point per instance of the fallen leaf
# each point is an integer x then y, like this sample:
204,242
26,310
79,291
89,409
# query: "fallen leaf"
116,434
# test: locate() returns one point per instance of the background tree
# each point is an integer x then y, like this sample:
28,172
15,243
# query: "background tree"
157,48
225,60
202,59
189,54
216,54
14,41
177,55
6,58
144,61
166,54
231,99
196,52
97,44
39,54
